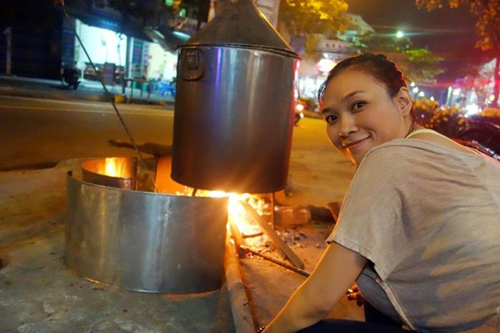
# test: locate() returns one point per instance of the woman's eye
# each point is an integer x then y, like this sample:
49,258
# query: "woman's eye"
330,119
358,105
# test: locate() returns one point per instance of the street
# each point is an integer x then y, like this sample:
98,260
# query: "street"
41,132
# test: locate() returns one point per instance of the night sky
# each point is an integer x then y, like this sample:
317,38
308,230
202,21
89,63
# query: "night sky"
446,32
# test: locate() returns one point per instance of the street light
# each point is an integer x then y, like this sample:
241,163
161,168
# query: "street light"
400,34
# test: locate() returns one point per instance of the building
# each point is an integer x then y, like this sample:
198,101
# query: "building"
313,72
30,43
137,41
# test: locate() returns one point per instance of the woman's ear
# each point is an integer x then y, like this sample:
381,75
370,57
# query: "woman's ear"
404,101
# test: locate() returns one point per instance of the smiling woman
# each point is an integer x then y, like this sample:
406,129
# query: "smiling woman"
419,222
365,102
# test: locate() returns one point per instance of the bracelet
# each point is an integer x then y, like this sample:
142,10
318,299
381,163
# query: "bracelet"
261,329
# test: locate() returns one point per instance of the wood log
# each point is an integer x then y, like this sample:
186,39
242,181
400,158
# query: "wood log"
334,210
237,237
280,245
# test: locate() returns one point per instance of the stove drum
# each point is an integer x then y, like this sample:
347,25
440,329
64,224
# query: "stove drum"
144,241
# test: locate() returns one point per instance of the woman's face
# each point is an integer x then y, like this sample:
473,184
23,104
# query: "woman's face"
361,115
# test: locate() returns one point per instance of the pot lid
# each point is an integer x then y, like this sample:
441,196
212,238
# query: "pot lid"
240,23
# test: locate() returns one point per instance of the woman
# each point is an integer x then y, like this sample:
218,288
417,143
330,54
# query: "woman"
419,229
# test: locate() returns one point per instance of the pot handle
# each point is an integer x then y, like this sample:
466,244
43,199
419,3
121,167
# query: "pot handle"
192,64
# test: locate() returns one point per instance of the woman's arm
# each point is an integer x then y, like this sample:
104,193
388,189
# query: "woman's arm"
316,297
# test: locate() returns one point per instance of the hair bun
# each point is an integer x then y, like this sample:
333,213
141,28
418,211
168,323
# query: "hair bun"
382,57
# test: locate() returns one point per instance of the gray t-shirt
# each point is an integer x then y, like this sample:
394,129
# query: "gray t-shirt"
428,219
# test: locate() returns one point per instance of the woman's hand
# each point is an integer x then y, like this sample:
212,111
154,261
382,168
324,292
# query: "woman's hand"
353,294
316,297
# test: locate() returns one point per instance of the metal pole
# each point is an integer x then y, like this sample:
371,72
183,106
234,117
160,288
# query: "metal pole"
8,60
276,261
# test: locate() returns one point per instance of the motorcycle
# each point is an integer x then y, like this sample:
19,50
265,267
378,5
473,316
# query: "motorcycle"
482,134
299,112
302,105
70,77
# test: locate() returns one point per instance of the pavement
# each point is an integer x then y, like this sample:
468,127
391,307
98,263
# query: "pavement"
39,294
87,91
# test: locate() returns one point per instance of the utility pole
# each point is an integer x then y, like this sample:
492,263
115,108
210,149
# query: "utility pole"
8,59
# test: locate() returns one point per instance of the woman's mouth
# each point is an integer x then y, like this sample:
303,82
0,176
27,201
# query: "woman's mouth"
354,145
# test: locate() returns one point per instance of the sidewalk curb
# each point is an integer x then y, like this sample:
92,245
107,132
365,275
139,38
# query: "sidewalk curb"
240,306
53,89
16,92
65,97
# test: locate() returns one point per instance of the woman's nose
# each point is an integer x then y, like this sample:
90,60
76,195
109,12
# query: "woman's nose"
347,126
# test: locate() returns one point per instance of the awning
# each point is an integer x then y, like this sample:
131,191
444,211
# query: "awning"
169,40
127,29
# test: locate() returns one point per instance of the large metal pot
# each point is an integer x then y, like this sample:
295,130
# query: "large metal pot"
234,105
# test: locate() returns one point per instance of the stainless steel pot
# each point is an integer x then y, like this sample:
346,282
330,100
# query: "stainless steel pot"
234,105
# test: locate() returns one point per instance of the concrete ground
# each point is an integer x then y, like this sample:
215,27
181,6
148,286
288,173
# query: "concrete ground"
39,294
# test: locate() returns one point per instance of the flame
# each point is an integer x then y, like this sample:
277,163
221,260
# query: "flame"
237,214
115,168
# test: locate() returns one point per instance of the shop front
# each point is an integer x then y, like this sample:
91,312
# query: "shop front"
119,57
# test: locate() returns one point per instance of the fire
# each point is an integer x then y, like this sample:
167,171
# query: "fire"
115,167
238,214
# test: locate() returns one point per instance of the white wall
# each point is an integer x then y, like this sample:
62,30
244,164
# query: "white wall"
161,62
101,44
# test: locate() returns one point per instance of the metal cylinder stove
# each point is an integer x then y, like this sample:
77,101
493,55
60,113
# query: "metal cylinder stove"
234,104
142,241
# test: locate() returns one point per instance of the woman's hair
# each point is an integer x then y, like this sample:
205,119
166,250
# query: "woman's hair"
377,65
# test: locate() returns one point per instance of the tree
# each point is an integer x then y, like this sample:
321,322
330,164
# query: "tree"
421,64
487,13
155,13
417,64
28,13
307,18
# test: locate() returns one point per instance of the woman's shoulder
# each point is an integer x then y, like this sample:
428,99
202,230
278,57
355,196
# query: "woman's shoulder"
403,157
423,159
416,150
402,151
